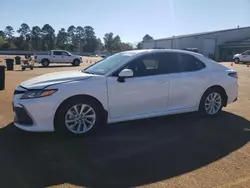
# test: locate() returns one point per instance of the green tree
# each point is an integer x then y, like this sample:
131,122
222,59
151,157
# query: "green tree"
71,36
89,39
108,41
48,37
24,30
139,45
2,34
62,39
23,42
36,38
117,44
111,43
126,46
99,46
79,38
2,42
8,32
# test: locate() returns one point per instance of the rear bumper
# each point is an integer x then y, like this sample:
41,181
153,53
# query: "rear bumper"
232,93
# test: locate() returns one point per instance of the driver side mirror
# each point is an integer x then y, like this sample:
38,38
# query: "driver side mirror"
125,73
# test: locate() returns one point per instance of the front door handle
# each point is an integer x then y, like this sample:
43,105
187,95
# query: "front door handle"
160,81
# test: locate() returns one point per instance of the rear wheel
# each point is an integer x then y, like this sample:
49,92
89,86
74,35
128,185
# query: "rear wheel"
211,102
78,116
45,63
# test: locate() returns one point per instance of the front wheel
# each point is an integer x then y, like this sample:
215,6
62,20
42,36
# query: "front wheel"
76,62
237,60
78,116
211,103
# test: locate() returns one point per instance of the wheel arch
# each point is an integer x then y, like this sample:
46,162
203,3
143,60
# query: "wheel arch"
76,59
89,97
45,59
220,88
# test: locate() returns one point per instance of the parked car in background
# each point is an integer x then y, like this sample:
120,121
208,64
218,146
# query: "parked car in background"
58,56
125,86
242,58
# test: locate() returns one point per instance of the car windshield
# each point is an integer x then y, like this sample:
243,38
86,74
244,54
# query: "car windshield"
110,63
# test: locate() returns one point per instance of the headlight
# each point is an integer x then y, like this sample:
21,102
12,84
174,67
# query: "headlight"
38,93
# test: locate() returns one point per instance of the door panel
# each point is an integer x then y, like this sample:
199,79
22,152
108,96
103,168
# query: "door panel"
57,57
186,88
66,58
244,58
138,95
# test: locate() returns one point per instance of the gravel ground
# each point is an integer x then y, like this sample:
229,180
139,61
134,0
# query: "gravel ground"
182,151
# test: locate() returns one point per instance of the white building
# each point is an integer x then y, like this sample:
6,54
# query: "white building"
220,45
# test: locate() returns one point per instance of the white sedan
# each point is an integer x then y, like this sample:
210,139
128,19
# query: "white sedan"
125,86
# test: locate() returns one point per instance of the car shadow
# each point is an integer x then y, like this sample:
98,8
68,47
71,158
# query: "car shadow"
119,155
54,66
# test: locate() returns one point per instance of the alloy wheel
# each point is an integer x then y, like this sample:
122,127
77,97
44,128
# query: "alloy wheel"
213,103
80,118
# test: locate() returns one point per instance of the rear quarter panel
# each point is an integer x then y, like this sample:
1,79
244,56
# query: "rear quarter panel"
218,75
41,57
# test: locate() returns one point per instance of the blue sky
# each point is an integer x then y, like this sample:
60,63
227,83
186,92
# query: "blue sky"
131,19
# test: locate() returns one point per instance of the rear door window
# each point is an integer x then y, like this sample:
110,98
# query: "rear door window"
168,63
57,52
189,63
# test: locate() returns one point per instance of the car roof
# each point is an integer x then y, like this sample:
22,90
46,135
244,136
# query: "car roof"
136,52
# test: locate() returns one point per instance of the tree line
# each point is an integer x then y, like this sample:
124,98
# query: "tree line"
74,39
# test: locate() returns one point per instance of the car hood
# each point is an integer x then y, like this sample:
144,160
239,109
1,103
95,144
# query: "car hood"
237,55
45,80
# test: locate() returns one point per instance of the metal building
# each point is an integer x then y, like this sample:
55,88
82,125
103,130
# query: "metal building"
219,45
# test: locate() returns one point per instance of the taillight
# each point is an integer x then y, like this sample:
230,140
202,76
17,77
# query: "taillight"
233,74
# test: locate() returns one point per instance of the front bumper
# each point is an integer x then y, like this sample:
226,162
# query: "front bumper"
22,116
36,115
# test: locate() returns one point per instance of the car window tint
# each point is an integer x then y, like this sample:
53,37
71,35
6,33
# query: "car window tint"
189,63
154,64
150,63
168,63
57,53
145,65
65,53
246,53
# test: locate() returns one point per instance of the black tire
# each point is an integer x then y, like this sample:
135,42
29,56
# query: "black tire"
45,62
236,60
59,120
202,109
23,68
76,62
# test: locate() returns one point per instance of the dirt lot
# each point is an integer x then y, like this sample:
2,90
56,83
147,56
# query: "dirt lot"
182,151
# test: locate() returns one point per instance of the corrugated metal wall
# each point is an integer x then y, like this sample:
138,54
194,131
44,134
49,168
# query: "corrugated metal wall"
205,43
